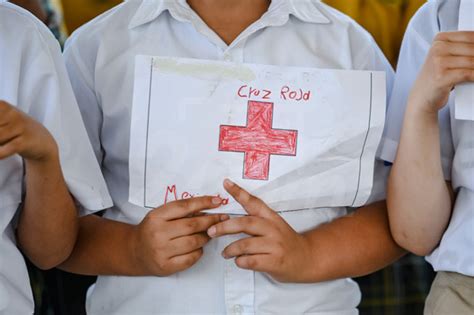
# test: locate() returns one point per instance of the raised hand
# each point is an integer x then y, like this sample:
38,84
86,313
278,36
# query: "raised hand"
21,134
450,61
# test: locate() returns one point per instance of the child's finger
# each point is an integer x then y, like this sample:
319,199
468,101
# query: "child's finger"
461,49
458,62
250,225
8,133
253,205
4,106
457,36
259,263
6,136
6,111
190,226
248,246
183,262
183,208
457,76
187,244
4,120
10,148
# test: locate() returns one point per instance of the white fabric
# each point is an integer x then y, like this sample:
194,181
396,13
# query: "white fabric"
33,77
100,58
455,252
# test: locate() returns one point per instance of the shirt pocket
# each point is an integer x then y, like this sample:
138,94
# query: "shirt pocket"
11,178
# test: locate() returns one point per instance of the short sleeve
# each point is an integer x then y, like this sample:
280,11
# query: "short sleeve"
82,80
368,56
46,94
416,45
373,59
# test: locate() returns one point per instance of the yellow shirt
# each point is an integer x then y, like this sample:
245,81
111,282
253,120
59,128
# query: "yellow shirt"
386,20
78,12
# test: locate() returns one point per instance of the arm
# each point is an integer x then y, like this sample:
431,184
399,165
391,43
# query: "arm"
363,242
419,200
49,215
103,247
168,240
351,246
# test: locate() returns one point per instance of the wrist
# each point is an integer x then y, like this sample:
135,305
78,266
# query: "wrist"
133,248
312,262
40,149
425,101
421,110
50,157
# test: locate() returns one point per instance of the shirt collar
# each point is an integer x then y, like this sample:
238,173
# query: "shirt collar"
305,10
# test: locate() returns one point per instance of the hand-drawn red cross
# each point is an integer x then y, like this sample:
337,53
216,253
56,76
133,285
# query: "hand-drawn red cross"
258,140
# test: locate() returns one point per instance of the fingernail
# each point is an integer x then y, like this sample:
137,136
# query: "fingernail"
224,217
228,183
216,201
224,255
212,231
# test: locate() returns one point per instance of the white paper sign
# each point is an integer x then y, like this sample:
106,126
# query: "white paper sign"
298,138
464,106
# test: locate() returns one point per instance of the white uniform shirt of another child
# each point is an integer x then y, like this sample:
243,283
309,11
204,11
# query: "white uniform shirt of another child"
33,77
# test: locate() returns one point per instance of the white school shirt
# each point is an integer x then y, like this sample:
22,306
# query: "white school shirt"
33,77
100,59
455,253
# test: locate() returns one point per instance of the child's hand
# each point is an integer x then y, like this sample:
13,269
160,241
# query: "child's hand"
273,246
171,239
449,62
21,134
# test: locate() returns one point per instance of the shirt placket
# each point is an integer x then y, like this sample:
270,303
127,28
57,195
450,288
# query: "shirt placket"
235,51
232,54
239,286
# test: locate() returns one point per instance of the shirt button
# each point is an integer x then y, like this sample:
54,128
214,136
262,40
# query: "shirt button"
227,57
237,309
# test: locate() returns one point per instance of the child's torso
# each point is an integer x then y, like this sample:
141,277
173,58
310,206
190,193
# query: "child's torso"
213,285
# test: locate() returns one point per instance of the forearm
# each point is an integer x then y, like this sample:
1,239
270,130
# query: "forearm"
352,246
169,239
47,227
419,200
103,247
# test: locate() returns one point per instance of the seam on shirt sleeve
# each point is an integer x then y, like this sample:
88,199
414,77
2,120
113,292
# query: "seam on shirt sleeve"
42,33
79,65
